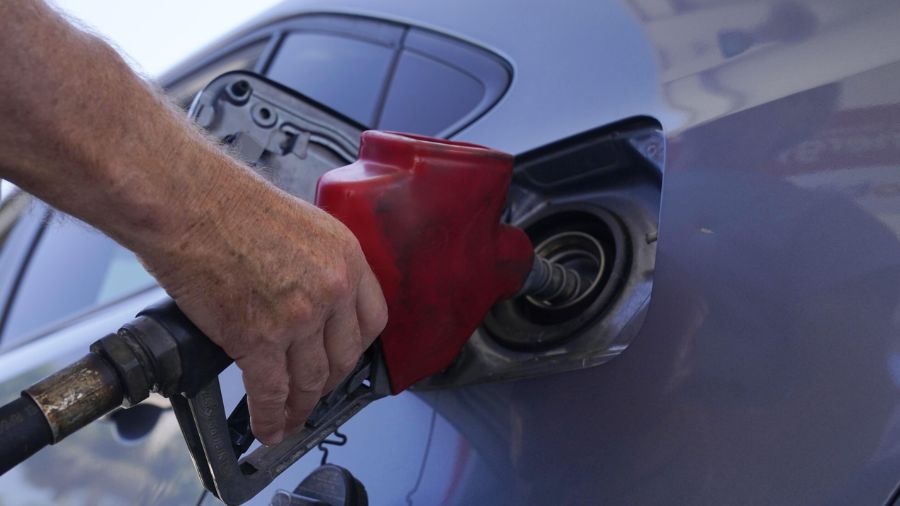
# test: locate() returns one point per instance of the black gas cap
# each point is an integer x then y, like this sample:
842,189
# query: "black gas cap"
328,485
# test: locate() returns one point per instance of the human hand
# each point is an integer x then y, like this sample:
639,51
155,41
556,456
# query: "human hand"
285,290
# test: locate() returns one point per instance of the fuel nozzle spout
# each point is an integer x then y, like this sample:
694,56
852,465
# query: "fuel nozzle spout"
567,267
552,284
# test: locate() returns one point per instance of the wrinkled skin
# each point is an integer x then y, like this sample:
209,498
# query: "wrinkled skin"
281,286
288,294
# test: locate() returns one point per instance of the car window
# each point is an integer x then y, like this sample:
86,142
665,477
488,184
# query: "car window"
12,208
427,96
344,73
441,84
73,268
20,222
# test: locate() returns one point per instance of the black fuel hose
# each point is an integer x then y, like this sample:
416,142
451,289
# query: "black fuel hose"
24,430
160,351
57,406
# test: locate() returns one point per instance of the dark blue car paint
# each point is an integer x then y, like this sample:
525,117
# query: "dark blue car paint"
768,368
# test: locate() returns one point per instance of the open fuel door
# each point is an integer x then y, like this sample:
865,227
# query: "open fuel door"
591,203
290,139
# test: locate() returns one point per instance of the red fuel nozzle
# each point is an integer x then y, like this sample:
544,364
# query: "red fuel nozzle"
427,215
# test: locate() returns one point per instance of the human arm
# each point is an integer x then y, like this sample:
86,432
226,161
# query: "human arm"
276,282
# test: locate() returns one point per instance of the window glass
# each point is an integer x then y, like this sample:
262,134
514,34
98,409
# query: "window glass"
74,268
20,222
427,96
12,208
343,73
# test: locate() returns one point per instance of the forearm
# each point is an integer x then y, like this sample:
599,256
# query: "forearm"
85,134
276,282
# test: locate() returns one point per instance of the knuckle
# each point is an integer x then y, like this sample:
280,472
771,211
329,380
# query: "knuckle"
312,379
373,323
269,339
344,365
336,281
269,393
267,424
315,371
351,243
379,320
271,398
302,309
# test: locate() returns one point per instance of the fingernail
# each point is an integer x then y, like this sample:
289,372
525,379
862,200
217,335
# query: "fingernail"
274,439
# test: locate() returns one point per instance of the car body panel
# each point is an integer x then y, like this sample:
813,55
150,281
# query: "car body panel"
768,368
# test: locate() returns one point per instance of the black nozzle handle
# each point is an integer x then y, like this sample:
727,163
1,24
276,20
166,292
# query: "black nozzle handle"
199,360
23,431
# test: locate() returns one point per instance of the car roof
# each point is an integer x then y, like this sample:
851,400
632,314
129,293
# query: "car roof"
574,68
